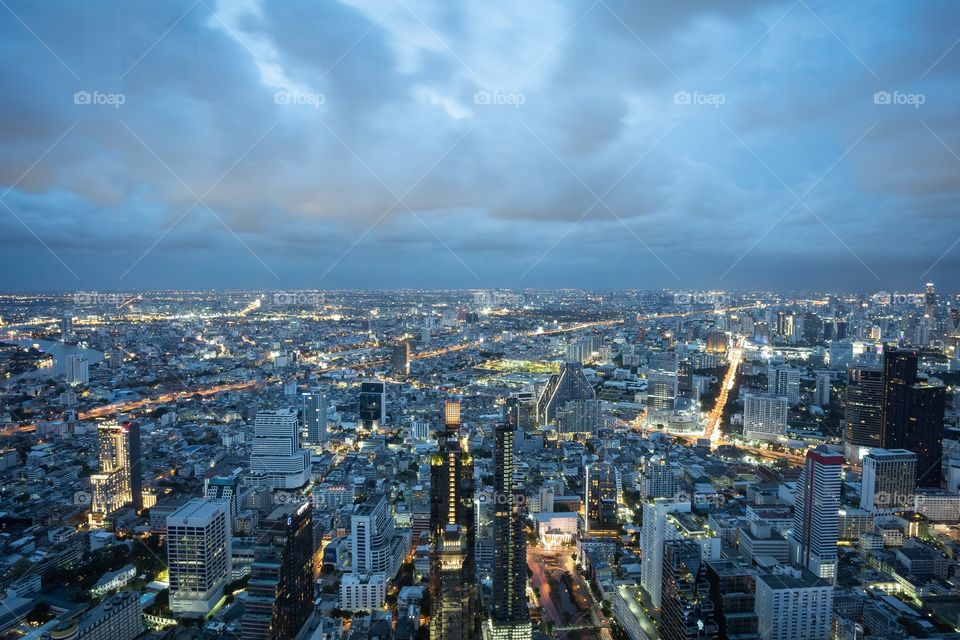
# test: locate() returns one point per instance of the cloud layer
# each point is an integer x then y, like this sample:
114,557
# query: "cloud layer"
401,143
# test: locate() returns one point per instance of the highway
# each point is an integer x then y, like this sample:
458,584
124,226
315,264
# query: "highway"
110,409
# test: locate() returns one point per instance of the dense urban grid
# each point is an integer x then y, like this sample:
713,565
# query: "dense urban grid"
480,464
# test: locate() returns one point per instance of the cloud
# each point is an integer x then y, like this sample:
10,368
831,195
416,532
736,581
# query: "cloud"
312,129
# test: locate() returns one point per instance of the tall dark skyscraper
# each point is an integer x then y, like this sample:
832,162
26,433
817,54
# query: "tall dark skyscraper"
452,575
864,406
136,465
600,500
688,612
280,591
510,619
913,414
372,405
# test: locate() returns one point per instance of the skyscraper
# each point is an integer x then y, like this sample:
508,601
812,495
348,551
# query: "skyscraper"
568,384
784,381
864,410
889,480
313,409
601,498
198,555
120,480
280,591
452,573
277,460
822,391
372,405
77,370
400,360
816,520
913,413
652,538
510,619
764,416
688,612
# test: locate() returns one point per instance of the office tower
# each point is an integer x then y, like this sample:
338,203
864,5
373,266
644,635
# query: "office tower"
764,417
661,391
522,409
569,384
225,488
276,459
198,555
794,605
116,357
816,520
372,405
889,480
716,342
313,410
66,327
657,478
77,370
732,591
452,572
864,410
688,612
821,395
510,619
784,381
120,480
377,547
579,416
652,538
400,360
601,499
280,591
913,413
841,354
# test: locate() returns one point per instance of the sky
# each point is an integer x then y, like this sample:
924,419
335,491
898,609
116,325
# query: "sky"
744,144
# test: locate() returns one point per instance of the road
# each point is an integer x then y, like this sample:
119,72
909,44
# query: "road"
585,620
163,398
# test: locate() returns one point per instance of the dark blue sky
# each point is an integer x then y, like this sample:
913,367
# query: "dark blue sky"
479,143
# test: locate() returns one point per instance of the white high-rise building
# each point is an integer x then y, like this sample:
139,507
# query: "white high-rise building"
77,370
816,520
764,416
277,459
889,480
784,381
657,478
198,555
376,546
652,538
313,408
793,604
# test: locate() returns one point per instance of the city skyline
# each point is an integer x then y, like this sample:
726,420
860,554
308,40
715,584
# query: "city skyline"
403,145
